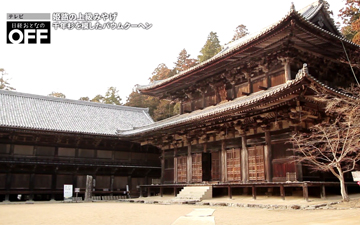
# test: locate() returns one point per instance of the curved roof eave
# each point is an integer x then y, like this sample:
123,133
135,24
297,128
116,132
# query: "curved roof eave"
235,104
241,42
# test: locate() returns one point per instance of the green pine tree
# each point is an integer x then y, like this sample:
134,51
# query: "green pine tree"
211,47
184,62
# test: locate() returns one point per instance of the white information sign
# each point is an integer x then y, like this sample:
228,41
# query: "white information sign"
68,192
356,175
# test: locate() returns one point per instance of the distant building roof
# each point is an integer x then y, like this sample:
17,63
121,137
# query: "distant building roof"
35,112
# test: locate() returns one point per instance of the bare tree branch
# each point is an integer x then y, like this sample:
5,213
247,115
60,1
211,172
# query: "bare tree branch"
333,145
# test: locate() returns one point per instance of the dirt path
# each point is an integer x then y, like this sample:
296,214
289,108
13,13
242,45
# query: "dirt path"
136,213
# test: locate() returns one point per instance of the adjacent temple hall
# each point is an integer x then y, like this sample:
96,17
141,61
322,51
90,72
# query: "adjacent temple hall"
46,142
238,112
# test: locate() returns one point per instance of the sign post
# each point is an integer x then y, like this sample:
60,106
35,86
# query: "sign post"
68,192
77,190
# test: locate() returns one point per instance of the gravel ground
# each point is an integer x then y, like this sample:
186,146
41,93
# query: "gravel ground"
139,213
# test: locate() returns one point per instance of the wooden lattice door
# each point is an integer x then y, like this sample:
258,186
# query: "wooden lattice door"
197,167
215,166
233,164
181,169
256,163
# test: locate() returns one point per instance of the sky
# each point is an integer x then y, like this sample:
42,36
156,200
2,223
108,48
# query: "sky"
81,63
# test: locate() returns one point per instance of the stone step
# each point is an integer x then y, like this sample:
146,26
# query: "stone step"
197,193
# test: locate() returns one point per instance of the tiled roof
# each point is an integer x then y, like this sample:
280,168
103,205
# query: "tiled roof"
310,10
304,14
237,104
28,111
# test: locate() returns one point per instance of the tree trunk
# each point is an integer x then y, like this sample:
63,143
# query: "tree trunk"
344,194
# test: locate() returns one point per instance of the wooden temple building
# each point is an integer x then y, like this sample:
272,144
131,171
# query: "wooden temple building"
240,108
238,112
46,142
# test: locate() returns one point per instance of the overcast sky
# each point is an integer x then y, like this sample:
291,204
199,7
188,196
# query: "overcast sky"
85,63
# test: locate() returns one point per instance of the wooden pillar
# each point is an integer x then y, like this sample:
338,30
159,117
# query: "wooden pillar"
253,188
129,184
189,163
32,179
74,182
111,184
181,108
233,89
305,192
192,105
282,192
141,192
322,192
298,169
244,161
223,162
8,186
148,192
161,191
287,69
162,159
217,96
175,189
268,156
248,77
229,192
268,80
31,184
203,100
53,184
54,176
175,166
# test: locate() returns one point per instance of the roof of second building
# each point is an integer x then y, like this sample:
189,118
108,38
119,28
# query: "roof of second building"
238,105
28,111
